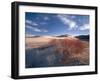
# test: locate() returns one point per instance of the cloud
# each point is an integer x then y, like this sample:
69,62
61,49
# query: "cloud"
65,20
72,24
44,30
43,23
29,35
84,27
33,26
31,23
46,18
35,29
28,21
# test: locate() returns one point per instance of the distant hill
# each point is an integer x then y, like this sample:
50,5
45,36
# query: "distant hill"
66,35
83,37
32,36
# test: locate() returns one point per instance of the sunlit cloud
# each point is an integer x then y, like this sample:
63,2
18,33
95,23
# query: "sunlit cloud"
65,20
84,27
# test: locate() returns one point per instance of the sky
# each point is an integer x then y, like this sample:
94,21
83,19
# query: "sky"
56,24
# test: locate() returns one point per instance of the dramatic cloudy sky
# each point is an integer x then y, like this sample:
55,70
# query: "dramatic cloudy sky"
56,24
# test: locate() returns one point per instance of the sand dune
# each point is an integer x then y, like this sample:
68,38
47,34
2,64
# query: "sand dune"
34,42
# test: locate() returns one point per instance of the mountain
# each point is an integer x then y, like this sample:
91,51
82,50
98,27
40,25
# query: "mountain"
83,37
30,36
65,35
